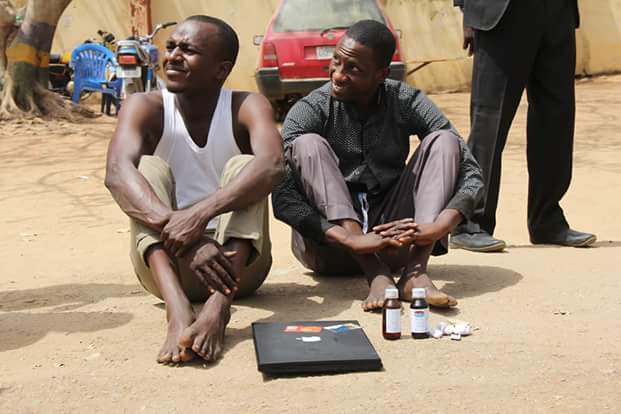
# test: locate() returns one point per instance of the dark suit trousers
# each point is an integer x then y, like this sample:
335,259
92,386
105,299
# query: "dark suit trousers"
534,48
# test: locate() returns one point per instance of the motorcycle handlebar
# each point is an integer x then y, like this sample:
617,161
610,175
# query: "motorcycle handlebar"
159,27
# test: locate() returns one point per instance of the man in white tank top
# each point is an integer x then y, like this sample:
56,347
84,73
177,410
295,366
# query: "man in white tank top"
192,167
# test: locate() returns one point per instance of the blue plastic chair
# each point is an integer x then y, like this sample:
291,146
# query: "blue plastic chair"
91,63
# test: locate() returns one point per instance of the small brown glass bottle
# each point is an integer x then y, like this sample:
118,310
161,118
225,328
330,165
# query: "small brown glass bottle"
419,314
391,314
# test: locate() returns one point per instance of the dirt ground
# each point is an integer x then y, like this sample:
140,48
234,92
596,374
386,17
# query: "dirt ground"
78,334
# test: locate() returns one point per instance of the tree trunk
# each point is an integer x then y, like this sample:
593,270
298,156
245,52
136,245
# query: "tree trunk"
7,29
25,86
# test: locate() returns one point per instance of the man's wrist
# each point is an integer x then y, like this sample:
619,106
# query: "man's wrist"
159,219
339,236
204,212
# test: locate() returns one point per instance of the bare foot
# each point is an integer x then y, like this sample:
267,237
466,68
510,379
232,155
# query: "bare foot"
378,285
435,297
178,321
206,335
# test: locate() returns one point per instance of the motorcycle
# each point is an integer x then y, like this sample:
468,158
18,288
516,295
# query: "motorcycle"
60,73
138,61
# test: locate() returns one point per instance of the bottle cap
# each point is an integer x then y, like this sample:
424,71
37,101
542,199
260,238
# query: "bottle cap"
391,293
419,293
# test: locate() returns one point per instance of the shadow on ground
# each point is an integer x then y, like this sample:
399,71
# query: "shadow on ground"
19,327
332,295
465,281
602,243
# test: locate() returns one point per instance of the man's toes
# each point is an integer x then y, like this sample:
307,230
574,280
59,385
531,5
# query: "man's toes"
176,358
372,305
441,300
216,352
164,357
188,337
204,350
186,355
209,354
198,343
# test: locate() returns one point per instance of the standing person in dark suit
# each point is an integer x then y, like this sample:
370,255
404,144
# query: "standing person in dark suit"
517,45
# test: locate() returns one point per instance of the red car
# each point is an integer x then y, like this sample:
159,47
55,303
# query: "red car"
299,42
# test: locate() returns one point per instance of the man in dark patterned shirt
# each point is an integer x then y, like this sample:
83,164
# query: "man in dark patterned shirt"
353,202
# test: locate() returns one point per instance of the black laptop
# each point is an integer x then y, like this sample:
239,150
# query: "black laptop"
313,347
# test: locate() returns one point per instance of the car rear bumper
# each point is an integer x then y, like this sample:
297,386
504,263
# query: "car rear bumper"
274,88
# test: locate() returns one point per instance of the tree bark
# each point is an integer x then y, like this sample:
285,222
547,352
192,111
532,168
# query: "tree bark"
7,29
27,59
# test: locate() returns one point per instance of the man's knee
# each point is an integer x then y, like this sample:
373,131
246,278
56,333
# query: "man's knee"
308,146
234,166
154,169
442,145
447,143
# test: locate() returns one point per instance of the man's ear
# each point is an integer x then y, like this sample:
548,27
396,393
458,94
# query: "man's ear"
382,74
224,70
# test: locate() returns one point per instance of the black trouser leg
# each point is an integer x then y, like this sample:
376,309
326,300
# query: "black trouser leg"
503,60
550,127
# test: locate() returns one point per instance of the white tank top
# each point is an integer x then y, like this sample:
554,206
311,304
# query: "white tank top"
197,170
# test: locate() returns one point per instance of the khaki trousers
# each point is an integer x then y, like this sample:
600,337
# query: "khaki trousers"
250,223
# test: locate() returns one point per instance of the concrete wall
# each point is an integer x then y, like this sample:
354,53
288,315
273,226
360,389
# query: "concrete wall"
83,18
431,31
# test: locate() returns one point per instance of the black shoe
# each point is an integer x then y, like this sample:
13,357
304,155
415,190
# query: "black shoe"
477,242
573,238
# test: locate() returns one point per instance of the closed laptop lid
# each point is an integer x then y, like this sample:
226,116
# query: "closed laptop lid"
307,346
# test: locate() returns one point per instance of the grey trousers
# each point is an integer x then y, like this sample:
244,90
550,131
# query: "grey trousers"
423,190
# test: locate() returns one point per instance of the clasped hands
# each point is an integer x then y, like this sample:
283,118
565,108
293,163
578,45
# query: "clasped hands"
181,235
395,234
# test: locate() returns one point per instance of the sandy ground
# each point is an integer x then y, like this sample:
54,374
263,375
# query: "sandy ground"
78,334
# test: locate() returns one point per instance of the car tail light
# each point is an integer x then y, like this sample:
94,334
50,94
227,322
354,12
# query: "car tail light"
270,58
127,60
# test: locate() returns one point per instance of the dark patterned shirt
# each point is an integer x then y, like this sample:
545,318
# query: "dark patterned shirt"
372,152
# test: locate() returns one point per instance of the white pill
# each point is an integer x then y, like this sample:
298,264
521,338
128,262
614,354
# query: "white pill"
464,329
437,333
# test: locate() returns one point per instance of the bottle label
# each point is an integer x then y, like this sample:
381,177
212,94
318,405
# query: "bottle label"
393,320
419,319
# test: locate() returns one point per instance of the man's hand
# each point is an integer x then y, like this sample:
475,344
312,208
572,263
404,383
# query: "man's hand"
468,40
427,234
403,230
184,228
369,243
212,266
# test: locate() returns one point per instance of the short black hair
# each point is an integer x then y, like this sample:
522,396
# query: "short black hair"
230,41
375,36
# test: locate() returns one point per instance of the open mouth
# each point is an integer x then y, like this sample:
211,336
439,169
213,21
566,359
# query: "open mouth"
338,89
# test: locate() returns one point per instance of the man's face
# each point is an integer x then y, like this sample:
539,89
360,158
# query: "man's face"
192,60
354,73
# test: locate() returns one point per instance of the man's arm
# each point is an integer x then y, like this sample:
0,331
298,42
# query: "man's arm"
288,200
468,31
427,118
137,130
